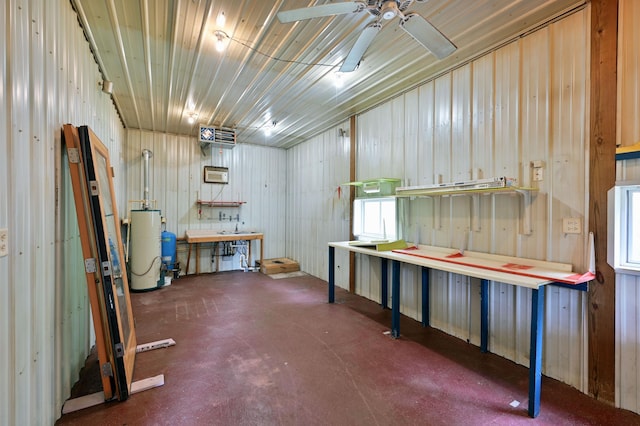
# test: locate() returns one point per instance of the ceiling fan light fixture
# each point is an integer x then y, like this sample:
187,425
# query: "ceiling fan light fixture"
389,10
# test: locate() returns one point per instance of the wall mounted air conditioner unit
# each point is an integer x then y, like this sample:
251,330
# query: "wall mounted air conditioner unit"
214,174
210,136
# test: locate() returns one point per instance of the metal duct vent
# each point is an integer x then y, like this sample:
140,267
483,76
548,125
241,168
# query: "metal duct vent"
218,137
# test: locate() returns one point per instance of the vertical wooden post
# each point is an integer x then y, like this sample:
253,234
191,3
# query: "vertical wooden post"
352,196
604,34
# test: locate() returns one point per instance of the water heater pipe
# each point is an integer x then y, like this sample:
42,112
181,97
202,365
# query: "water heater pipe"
146,154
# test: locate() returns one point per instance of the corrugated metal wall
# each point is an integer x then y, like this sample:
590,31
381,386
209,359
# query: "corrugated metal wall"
523,102
257,176
48,77
317,211
628,286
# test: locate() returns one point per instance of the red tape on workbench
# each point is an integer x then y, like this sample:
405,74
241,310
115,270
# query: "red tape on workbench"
509,268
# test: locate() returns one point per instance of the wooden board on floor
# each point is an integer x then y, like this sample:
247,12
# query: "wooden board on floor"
90,400
279,266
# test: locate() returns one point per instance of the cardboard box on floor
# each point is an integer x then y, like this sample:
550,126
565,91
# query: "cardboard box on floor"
278,266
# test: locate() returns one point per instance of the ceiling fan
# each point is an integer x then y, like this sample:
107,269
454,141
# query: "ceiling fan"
383,10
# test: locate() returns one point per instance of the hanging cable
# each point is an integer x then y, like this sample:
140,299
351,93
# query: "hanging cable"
275,58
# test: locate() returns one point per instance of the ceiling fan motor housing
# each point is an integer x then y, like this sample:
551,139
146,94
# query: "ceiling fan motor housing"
389,9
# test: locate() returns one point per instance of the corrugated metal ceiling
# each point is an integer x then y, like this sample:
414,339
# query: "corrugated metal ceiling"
161,57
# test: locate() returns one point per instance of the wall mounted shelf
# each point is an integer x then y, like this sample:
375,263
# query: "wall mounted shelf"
220,203
411,192
628,152
453,190
375,187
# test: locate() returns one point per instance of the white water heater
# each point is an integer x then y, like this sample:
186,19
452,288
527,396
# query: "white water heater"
145,249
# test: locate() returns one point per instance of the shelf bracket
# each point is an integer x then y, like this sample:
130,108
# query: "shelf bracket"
526,214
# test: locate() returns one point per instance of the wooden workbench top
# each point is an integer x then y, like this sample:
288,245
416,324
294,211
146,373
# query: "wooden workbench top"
212,235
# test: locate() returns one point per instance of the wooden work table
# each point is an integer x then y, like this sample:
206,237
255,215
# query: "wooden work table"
529,273
197,236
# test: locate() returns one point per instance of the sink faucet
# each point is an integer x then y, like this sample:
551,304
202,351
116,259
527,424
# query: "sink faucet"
236,227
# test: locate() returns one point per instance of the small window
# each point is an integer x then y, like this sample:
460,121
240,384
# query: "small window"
624,228
633,221
375,218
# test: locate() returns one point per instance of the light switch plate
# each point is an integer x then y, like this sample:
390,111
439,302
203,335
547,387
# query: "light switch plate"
4,242
572,225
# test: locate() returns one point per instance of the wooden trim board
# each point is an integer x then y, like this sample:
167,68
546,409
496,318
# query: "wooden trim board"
97,398
602,151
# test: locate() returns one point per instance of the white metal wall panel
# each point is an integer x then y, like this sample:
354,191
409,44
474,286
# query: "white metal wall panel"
506,152
48,77
317,211
6,315
412,140
492,117
628,342
627,286
257,176
567,178
628,129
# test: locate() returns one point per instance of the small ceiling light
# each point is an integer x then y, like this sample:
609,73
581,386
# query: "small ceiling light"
268,129
221,19
192,118
338,79
220,40
107,86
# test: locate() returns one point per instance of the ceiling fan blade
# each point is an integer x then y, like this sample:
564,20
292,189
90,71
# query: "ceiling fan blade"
320,11
361,46
427,35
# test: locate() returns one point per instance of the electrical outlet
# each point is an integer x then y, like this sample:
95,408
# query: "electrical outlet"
4,242
572,225
537,167
537,174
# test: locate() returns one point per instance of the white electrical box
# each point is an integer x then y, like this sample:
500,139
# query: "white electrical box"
216,174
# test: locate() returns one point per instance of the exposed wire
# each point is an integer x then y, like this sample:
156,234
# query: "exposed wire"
275,58
148,270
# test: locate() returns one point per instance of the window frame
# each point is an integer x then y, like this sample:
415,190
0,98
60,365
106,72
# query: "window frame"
387,231
623,253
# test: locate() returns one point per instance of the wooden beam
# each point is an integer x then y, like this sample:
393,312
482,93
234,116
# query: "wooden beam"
602,151
352,196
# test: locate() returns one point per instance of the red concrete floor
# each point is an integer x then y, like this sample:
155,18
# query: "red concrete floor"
251,350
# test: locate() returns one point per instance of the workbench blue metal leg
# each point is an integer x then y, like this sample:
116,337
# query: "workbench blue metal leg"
384,283
426,313
535,354
395,299
332,274
484,315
